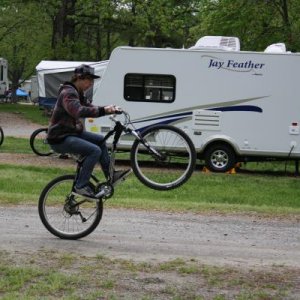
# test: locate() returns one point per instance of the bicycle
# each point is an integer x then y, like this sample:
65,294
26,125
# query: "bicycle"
38,142
163,149
1,136
40,146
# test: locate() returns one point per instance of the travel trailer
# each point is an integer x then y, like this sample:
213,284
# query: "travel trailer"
235,105
3,77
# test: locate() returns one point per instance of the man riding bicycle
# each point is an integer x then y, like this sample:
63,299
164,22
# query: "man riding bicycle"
66,133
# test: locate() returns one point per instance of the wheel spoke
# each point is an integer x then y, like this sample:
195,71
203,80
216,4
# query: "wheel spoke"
175,163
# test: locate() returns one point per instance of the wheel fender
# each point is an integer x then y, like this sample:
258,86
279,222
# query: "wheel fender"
219,139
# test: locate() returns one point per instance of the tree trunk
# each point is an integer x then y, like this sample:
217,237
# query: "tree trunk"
98,40
16,70
63,25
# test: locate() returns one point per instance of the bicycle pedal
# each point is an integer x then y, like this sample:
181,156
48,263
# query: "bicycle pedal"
105,191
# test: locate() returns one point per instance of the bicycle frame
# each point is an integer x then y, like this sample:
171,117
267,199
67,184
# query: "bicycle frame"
117,131
105,189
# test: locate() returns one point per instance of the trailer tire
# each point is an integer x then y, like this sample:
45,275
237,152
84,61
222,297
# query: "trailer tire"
219,158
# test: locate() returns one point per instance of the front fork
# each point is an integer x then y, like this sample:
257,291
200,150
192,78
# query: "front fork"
152,150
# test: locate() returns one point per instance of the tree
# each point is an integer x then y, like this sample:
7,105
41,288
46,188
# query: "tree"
97,27
61,15
289,13
27,42
257,23
158,23
32,30
81,29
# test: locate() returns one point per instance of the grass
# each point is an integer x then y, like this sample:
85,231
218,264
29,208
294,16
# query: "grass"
220,192
203,192
30,112
59,275
15,145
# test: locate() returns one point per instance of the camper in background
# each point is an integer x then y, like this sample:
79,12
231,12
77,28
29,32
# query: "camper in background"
235,105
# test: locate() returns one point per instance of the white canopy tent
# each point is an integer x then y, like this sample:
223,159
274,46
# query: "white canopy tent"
51,74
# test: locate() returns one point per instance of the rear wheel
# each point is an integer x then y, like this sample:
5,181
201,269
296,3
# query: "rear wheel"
168,159
66,215
219,158
39,144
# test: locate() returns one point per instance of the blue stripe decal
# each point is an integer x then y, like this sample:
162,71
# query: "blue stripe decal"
176,117
239,108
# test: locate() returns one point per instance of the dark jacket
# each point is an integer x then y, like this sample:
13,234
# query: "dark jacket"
71,105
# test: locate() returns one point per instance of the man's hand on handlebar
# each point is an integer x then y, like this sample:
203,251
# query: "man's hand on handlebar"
113,109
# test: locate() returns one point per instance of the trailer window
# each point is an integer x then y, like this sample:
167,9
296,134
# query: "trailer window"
149,88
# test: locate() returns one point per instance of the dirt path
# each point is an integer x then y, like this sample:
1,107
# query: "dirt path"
16,125
150,236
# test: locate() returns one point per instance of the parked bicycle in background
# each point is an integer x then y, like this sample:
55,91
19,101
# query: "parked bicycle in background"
1,136
38,142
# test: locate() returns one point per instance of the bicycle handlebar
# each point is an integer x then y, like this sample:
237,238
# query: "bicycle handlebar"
126,121
118,111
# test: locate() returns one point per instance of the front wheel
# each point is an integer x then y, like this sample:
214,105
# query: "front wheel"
164,158
66,215
39,144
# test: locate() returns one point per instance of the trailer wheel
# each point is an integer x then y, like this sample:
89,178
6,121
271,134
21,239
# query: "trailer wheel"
219,158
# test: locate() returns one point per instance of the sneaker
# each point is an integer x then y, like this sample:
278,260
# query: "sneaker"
120,175
86,191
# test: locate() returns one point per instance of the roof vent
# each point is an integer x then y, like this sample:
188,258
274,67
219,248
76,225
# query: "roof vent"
276,48
218,43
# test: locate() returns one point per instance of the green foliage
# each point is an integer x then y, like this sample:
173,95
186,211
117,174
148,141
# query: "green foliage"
158,23
24,38
89,30
257,23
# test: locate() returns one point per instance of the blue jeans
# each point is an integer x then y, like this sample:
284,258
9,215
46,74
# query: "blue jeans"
91,146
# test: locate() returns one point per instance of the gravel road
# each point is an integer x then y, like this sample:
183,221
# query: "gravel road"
148,236
14,124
